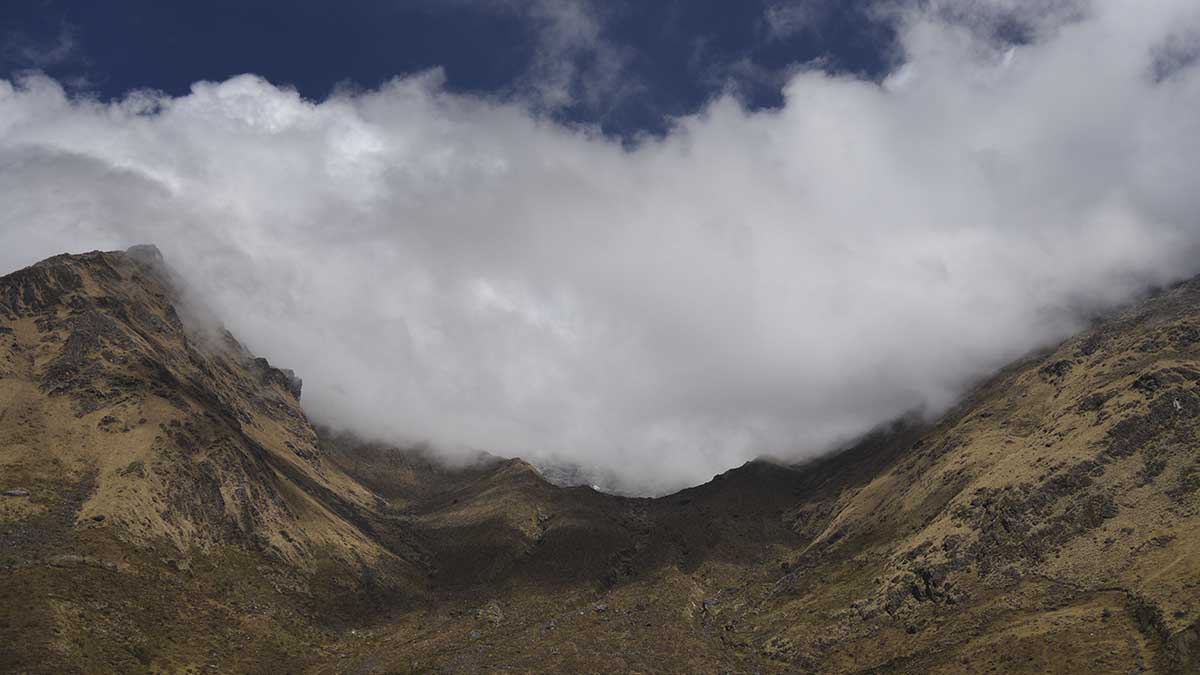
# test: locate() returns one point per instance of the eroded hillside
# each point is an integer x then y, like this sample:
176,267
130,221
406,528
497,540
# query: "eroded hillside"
172,509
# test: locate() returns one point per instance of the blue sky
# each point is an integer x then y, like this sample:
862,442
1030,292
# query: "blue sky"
624,66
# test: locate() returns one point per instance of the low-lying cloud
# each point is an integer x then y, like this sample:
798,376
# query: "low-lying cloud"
463,271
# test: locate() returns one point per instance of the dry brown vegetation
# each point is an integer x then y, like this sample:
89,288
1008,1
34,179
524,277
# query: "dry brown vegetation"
182,515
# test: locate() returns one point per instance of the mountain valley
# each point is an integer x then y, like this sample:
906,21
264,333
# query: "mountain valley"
169,507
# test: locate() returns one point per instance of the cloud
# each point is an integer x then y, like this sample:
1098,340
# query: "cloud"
26,52
574,63
786,18
454,269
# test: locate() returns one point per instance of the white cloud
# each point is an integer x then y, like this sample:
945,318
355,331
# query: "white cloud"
442,267
573,62
27,52
785,18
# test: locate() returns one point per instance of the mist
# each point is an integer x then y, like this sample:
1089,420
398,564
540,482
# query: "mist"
468,272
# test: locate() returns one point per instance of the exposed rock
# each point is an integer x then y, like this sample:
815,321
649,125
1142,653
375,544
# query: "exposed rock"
491,613
1028,521
779,648
281,377
1056,370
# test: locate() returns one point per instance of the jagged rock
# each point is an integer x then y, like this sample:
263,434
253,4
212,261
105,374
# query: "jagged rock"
282,377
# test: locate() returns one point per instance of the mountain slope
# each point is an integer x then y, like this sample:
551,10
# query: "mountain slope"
172,509
137,437
1055,508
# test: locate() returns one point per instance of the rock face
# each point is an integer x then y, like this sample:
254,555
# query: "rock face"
168,506
284,378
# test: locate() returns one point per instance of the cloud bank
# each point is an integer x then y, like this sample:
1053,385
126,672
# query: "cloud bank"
463,271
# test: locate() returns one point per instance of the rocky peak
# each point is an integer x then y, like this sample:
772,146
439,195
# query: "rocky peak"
146,254
284,378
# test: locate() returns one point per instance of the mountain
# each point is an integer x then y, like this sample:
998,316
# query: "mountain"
168,507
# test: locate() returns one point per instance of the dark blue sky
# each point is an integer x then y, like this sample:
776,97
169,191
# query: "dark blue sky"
650,59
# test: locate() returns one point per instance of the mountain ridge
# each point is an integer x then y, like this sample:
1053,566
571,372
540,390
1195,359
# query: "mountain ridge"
183,514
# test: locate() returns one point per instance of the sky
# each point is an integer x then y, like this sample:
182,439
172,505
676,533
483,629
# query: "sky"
656,240
625,67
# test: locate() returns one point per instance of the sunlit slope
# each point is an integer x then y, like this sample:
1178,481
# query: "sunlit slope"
1048,523
146,444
